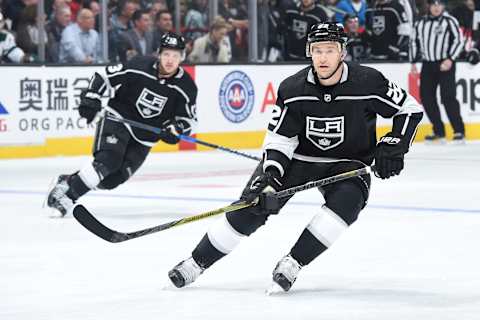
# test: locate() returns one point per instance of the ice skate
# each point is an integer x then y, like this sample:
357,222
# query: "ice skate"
458,138
185,273
433,139
284,274
57,198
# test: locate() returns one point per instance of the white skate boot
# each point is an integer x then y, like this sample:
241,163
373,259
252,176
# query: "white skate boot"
57,198
284,275
185,273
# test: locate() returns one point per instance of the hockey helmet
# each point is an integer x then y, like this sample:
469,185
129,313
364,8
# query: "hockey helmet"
326,31
170,40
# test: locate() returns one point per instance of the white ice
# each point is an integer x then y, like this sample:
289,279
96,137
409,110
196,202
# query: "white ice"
413,254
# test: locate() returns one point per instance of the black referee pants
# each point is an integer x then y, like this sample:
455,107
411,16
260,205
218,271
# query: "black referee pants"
430,78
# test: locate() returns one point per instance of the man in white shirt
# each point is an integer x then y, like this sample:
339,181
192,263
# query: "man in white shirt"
80,43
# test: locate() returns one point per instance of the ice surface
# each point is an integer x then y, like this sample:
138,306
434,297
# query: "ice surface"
413,254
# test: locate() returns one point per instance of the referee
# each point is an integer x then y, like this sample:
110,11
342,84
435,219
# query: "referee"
437,42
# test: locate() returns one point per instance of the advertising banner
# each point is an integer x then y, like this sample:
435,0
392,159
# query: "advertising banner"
41,102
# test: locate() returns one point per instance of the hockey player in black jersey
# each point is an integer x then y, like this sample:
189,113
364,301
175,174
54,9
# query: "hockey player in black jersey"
151,90
298,18
388,30
323,124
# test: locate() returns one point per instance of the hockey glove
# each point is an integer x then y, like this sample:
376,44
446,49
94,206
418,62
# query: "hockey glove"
261,192
170,133
389,156
90,105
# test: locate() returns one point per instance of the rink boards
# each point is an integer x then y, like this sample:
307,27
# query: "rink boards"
38,115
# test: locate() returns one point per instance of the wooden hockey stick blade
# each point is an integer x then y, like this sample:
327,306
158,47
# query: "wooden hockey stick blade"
89,222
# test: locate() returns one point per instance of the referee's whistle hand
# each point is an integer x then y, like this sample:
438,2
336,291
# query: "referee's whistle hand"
446,65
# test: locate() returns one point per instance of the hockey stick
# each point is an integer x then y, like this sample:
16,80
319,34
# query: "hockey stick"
86,219
181,136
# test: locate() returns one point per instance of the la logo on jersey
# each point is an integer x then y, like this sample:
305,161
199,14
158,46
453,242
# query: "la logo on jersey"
149,104
326,133
378,25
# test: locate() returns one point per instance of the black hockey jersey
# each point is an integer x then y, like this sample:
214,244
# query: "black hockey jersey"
297,24
357,47
388,30
314,123
141,96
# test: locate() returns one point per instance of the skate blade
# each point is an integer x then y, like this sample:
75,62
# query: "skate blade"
436,142
167,285
274,289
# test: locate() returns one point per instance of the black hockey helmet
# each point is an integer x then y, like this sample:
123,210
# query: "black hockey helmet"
170,40
326,31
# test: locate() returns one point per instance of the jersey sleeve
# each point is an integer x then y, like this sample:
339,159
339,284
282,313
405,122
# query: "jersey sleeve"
10,49
102,84
391,101
281,139
186,111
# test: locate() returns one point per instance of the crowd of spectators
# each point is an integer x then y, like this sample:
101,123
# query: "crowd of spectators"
378,29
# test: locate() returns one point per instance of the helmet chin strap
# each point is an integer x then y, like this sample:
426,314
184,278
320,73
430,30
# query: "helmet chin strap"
334,71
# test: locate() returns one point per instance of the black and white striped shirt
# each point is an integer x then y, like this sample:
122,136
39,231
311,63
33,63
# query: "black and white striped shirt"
436,39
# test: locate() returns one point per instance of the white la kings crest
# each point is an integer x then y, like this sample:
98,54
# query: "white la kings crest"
150,104
378,25
326,133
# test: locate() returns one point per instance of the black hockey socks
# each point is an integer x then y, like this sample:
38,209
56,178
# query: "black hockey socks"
77,187
307,248
205,254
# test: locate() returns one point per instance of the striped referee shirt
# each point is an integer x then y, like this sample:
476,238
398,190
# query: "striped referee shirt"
436,39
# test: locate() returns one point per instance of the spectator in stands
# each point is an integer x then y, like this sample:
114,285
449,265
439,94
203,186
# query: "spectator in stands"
298,20
61,19
80,42
214,46
28,34
163,24
275,37
121,18
196,20
236,14
95,7
330,8
354,7
13,9
357,47
9,52
120,22
263,12
388,30
155,8
139,40
464,13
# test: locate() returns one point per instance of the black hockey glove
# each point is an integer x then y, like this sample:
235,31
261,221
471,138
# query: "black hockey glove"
90,105
170,132
261,191
389,156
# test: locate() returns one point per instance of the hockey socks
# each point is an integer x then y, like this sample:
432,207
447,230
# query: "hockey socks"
322,231
219,241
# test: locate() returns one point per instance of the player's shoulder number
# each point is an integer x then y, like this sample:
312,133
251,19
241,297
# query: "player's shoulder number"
395,93
114,68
